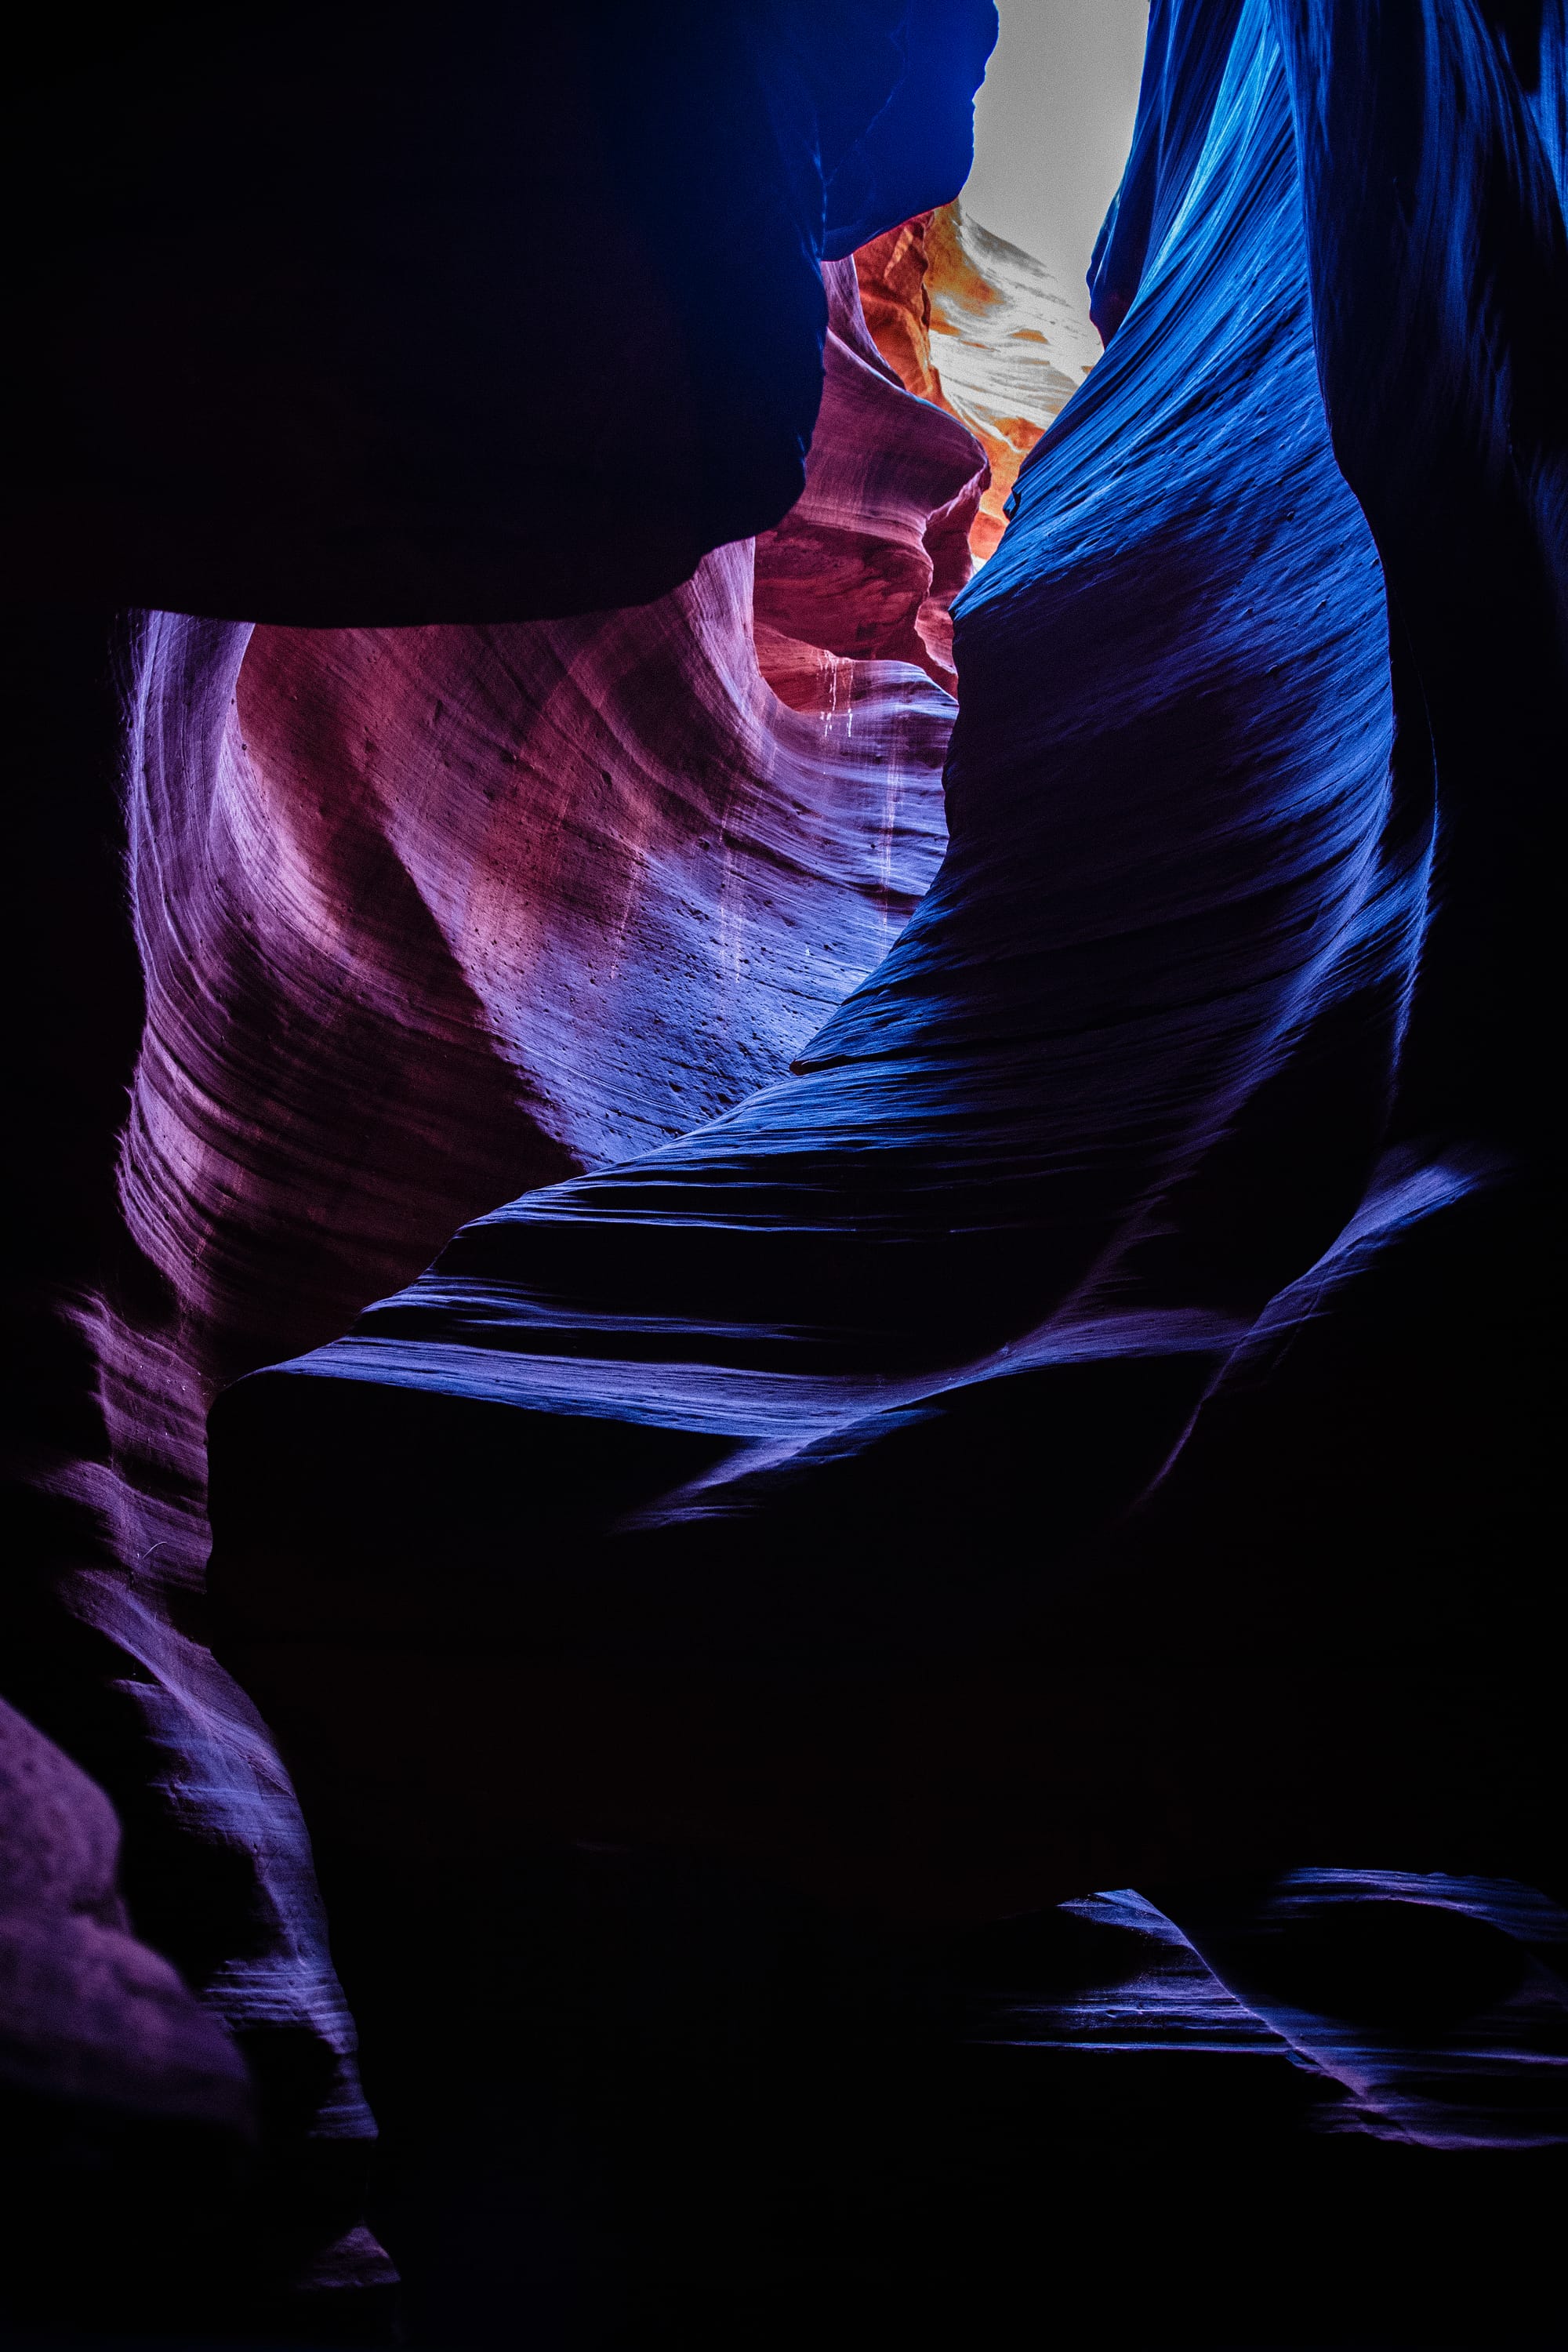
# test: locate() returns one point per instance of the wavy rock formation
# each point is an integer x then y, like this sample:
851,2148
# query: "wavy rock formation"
422,917
1049,1405
971,322
354,384
934,1476
629,881
1415,2009
868,561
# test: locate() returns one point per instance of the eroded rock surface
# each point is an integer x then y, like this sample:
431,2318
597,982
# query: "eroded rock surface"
422,917
1094,1310
1082,1426
121,2095
869,559
971,322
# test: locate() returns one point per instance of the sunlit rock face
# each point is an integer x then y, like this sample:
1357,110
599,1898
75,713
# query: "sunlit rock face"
1091,1353
971,322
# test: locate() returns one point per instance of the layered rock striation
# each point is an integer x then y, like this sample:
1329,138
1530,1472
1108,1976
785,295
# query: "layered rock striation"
868,561
415,917
971,322
954,1398
422,917
936,1473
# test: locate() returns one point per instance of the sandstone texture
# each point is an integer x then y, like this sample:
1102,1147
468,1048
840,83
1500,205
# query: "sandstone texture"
335,936
879,1480
971,322
808,1325
127,2121
869,560
87,2013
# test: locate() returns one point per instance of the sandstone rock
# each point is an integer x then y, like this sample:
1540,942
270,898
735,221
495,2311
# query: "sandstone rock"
1055,1409
971,322
87,2013
869,560
628,882
421,915
126,2118
1009,1456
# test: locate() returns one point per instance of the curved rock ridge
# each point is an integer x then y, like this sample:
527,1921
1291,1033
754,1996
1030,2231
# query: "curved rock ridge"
922,1475
427,914
356,384
981,327
423,917
868,561
1455,214
1419,2007
1437,2005
925,132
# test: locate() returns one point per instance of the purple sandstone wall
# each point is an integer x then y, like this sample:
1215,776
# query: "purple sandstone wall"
417,917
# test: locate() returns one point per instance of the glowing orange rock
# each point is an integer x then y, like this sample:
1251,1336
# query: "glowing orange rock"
982,329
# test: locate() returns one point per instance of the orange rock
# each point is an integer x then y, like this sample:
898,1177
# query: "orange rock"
981,328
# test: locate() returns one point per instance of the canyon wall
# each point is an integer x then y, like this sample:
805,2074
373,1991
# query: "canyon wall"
919,1476
336,936
970,322
124,2102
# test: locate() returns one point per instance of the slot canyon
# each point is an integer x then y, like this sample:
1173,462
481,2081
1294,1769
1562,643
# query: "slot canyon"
784,1198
